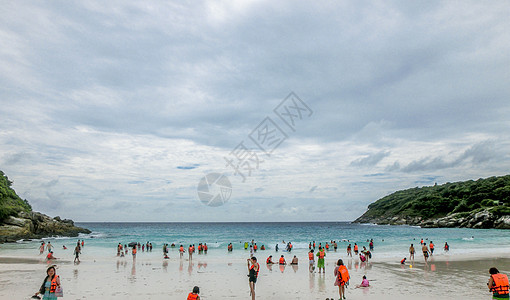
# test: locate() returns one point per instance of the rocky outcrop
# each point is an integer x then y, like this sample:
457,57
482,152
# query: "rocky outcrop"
478,219
32,225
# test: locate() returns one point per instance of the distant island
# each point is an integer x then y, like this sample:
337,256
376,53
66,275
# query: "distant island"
484,203
18,221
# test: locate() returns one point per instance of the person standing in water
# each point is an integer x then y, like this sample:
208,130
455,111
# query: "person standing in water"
411,252
431,247
320,262
425,251
253,268
77,254
349,250
311,261
446,247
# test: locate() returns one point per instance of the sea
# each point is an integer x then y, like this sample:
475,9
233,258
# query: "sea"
389,241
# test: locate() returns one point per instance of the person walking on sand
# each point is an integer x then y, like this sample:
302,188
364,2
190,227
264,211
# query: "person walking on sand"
49,285
320,262
342,278
194,294
349,250
498,284
411,252
190,252
425,251
311,261
253,268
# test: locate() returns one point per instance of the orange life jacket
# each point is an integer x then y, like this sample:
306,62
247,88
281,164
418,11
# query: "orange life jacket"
431,246
343,274
190,250
199,247
282,260
255,247
268,260
192,296
321,254
53,285
205,247
355,247
327,246
49,256
500,285
258,269
290,246
134,250
314,245
181,249
310,255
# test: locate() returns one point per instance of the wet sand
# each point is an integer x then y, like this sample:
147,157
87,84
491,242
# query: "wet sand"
153,278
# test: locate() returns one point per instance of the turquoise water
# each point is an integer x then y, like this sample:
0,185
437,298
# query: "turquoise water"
389,240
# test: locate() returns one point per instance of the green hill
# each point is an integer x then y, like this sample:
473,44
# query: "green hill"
456,200
10,203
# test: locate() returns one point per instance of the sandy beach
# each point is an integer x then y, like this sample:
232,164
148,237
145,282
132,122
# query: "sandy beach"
445,277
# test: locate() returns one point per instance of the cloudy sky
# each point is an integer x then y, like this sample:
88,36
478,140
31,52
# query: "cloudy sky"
114,110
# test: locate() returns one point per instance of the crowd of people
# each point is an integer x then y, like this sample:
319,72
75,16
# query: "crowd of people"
50,289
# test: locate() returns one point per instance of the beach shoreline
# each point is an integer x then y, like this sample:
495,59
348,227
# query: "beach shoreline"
152,277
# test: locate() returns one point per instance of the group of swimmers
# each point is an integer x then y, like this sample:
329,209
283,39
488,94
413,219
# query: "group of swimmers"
49,247
426,250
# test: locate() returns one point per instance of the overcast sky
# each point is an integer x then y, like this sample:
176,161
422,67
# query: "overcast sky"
114,110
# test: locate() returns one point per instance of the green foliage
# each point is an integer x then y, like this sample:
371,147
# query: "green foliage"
441,200
10,202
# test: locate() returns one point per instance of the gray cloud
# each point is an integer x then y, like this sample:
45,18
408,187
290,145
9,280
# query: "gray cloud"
370,160
119,99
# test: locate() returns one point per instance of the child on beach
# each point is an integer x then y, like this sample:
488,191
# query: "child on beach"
342,278
194,294
364,283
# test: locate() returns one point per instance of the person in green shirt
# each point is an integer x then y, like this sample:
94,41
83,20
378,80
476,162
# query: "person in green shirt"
320,262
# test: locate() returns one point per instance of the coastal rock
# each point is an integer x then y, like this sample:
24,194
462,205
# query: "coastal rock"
30,225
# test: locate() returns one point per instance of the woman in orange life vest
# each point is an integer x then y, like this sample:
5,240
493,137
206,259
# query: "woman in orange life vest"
282,261
342,278
253,268
199,247
181,251
194,295
49,285
311,261
205,247
190,252
355,249
498,284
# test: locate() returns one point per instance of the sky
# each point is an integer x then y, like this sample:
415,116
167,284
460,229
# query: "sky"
118,110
